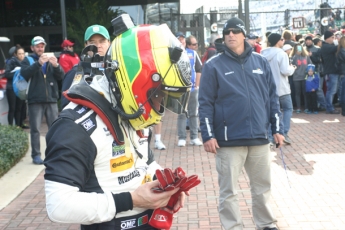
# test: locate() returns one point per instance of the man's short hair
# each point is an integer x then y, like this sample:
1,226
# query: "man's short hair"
189,40
316,40
287,35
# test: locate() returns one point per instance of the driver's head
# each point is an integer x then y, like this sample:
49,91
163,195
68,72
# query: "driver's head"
149,75
99,36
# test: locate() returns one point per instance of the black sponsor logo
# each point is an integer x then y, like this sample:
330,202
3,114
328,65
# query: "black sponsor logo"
125,179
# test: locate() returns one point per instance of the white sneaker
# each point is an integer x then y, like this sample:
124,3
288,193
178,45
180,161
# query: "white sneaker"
196,141
159,145
181,143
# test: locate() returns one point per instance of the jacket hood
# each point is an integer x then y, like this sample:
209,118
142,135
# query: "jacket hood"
247,51
271,52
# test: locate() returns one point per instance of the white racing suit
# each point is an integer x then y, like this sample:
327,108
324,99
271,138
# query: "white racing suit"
86,166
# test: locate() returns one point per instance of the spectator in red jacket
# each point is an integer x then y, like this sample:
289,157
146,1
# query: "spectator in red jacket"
67,57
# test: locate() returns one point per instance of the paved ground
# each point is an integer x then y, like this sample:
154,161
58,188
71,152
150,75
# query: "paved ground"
308,195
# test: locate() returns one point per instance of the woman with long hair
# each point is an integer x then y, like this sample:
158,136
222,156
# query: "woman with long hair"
15,105
301,60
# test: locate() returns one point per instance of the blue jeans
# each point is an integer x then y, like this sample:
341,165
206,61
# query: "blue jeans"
192,108
332,86
285,102
36,111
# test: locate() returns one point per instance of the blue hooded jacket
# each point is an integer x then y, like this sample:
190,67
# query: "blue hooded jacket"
238,99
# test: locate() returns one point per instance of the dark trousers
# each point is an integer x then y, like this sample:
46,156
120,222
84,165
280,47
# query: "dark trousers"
312,101
15,108
300,91
292,87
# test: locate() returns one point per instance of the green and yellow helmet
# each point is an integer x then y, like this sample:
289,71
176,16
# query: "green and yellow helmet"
153,73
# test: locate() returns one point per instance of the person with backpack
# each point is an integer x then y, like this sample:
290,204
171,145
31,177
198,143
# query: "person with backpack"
43,91
16,106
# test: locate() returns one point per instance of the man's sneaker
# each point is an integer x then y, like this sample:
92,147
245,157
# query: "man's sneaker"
298,111
196,141
268,228
316,112
287,139
159,145
333,112
37,160
306,111
181,143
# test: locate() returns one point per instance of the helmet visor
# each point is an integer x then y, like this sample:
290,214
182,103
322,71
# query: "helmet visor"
173,99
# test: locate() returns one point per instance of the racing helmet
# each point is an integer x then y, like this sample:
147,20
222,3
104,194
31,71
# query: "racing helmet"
152,74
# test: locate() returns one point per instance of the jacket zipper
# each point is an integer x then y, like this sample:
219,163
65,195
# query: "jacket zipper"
250,107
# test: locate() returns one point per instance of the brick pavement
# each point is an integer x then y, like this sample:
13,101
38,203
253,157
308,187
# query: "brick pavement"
309,195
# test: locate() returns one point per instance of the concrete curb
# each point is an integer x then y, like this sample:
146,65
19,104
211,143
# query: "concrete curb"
20,176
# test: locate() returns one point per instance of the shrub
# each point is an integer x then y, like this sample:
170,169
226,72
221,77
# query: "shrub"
14,143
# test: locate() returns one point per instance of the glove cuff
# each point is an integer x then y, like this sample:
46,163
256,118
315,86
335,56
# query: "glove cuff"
123,201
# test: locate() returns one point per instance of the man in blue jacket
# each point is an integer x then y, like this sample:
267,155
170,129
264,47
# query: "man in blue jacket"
238,100
43,92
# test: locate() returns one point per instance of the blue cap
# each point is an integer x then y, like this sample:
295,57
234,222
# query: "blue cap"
251,36
311,67
180,34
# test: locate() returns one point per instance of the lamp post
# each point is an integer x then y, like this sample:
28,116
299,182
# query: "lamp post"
63,19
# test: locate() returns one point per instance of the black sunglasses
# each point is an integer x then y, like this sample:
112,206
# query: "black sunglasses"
234,31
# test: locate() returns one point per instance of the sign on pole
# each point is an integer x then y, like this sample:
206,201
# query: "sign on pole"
298,23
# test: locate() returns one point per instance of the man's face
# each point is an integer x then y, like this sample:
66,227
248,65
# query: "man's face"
330,40
68,48
280,43
193,45
308,42
234,38
38,49
182,40
100,42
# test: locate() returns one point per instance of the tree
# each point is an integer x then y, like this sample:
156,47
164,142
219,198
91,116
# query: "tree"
87,13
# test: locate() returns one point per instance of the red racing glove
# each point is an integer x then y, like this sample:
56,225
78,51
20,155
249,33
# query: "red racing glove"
162,217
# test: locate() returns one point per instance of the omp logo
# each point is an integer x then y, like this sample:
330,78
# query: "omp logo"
121,163
128,224
124,179
117,150
88,124
161,218
143,220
